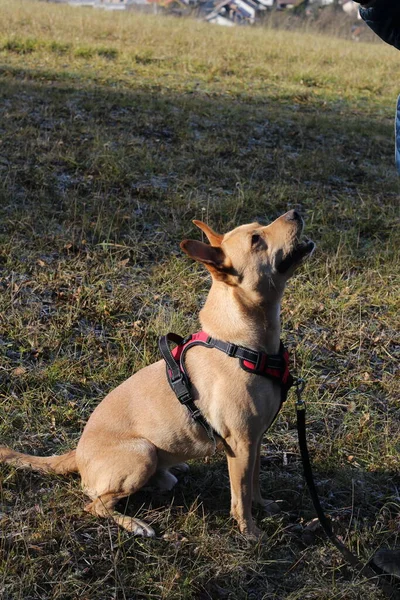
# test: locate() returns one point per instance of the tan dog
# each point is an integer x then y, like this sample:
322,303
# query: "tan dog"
140,430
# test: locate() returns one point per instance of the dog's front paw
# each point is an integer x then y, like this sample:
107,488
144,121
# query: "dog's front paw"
251,532
269,506
249,529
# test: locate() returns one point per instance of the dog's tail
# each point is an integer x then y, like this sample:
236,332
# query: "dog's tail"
60,464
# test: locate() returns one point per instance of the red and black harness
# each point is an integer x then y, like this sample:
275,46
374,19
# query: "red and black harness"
273,366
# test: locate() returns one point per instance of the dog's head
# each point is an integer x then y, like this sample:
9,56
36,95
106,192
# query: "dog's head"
254,257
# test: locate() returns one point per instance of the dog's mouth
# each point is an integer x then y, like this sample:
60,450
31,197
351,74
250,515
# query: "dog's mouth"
299,253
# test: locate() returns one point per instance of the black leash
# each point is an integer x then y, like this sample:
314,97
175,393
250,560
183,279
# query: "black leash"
365,570
180,384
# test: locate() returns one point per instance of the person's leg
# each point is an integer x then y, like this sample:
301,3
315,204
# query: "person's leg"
397,134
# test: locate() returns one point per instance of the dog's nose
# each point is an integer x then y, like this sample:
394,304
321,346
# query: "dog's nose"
293,215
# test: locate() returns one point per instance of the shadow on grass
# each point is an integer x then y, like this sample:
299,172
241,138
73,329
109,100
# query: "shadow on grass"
74,149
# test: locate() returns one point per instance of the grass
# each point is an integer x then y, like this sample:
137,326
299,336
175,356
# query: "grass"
117,131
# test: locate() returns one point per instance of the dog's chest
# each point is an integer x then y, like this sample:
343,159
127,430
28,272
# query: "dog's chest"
228,396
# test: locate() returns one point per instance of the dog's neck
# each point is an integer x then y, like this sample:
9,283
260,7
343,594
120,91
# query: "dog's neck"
248,322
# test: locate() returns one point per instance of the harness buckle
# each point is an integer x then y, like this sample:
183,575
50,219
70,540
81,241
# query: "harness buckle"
185,398
231,350
176,379
181,388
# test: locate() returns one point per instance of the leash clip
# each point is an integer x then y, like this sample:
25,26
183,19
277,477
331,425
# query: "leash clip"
300,384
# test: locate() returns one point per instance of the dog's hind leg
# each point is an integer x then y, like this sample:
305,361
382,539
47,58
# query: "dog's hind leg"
180,468
116,474
163,480
388,560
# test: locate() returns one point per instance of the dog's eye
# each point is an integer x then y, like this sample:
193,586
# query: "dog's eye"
255,238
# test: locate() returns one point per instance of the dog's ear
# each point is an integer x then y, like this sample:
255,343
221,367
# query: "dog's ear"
209,255
214,238
213,258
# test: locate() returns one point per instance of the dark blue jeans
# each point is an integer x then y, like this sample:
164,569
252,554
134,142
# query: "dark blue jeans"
397,134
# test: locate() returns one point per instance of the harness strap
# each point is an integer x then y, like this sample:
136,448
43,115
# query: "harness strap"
179,381
273,366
